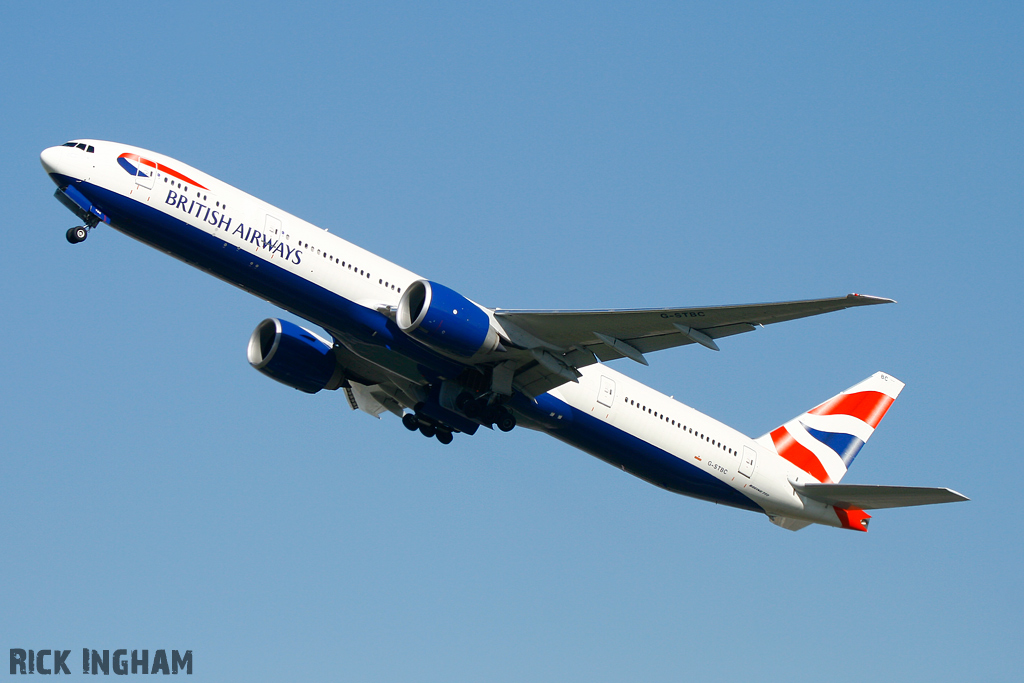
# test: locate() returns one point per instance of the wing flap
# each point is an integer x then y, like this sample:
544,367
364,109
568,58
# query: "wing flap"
867,497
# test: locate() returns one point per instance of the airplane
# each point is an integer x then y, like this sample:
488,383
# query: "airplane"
443,364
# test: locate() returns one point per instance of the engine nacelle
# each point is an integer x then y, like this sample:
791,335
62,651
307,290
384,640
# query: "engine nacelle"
294,356
444,319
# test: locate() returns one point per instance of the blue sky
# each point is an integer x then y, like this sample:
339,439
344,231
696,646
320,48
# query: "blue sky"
159,493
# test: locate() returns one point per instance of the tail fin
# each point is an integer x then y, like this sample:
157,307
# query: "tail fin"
824,441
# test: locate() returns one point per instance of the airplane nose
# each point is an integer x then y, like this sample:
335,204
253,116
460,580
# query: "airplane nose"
50,159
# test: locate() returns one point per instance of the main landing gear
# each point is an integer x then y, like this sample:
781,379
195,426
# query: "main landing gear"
478,409
427,427
505,421
499,416
77,234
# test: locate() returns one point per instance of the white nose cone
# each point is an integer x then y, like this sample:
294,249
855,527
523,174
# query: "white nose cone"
50,158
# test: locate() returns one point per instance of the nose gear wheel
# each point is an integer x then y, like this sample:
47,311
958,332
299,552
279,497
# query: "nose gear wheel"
77,234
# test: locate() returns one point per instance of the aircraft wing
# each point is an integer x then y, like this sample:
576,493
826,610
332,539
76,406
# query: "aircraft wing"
561,341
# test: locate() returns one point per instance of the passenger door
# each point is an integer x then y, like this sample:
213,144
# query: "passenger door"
144,174
748,462
606,392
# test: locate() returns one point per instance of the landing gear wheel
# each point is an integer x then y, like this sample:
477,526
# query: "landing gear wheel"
506,421
427,430
77,234
444,437
410,422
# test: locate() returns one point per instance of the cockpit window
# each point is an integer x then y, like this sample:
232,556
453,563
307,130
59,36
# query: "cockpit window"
69,144
91,149
80,145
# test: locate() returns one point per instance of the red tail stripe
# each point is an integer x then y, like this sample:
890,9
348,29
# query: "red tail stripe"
852,519
869,406
792,451
161,167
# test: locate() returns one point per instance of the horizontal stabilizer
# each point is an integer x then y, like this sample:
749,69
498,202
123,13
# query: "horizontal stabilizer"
866,497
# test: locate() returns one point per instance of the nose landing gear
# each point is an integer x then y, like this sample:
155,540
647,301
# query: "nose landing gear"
77,234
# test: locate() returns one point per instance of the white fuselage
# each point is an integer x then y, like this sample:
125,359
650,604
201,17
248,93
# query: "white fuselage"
284,259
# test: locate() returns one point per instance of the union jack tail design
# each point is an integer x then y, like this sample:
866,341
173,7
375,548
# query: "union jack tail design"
824,441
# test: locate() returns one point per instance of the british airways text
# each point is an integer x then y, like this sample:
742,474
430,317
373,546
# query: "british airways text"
222,220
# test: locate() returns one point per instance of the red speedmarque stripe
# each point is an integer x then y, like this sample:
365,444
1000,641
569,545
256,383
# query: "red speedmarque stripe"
161,167
869,406
792,451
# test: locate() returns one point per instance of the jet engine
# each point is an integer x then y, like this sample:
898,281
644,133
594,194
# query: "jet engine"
294,356
445,320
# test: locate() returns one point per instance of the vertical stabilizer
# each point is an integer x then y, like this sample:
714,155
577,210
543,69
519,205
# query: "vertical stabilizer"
824,441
